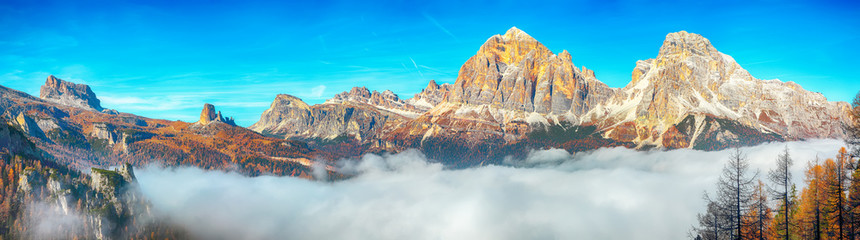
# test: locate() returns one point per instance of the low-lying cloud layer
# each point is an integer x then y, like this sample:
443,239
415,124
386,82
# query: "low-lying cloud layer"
612,193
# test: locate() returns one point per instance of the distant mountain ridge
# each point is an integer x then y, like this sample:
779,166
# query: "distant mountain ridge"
65,124
514,91
512,96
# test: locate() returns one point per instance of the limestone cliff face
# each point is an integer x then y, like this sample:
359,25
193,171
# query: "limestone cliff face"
69,94
690,78
512,85
107,202
515,72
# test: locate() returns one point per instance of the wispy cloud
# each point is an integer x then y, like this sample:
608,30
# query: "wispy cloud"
317,91
416,67
438,25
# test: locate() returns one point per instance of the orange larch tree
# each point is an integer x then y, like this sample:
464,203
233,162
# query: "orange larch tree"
758,218
834,200
809,214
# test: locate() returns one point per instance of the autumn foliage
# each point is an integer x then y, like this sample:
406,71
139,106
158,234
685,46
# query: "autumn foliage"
828,206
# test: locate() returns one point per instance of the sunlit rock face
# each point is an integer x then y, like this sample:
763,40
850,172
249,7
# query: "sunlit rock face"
69,94
690,79
516,72
514,92
511,86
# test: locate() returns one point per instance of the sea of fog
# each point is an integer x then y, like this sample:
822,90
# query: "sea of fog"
610,193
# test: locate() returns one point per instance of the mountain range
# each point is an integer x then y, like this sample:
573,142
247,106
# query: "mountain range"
512,96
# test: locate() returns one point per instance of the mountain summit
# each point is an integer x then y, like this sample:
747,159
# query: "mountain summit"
687,43
69,94
514,71
690,92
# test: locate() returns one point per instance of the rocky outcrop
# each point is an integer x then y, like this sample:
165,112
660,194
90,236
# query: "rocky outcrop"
30,182
29,126
107,203
69,94
104,132
431,95
14,141
112,184
209,115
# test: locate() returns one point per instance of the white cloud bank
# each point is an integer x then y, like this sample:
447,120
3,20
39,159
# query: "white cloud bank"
605,194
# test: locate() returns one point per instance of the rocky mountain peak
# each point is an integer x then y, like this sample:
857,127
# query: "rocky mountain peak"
690,82
432,85
359,92
685,43
388,94
512,47
209,115
516,33
516,72
363,95
290,101
69,94
288,114
431,95
565,55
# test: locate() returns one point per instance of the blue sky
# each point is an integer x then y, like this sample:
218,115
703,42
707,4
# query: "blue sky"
165,59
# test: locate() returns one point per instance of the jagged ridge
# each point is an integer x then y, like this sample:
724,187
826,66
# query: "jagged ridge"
514,85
